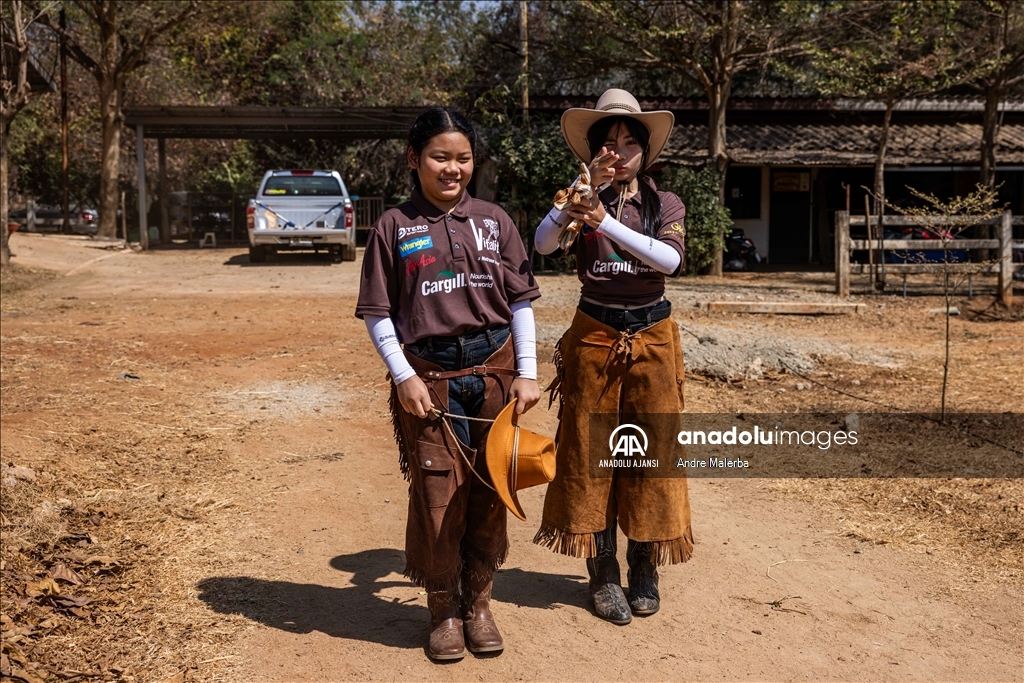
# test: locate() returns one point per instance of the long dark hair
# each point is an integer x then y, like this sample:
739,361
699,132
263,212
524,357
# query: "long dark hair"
437,121
650,202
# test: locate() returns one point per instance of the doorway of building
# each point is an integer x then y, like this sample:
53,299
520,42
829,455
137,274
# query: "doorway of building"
789,222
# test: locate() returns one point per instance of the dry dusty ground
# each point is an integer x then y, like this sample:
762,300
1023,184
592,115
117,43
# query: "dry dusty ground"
236,512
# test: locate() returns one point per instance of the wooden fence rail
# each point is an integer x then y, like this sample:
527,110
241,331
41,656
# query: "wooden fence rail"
1004,244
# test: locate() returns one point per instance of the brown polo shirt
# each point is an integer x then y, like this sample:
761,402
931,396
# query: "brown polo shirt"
437,274
612,275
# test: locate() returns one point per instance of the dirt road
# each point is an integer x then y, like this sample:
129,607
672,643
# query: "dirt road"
246,486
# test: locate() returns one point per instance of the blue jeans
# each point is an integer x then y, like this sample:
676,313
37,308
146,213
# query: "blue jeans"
465,394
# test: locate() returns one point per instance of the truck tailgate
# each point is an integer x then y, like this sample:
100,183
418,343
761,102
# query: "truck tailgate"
324,213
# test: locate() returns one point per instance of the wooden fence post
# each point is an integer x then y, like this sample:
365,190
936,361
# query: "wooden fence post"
1006,259
843,253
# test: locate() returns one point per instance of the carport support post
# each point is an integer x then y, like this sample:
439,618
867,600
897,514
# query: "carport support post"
140,162
843,253
165,221
1006,259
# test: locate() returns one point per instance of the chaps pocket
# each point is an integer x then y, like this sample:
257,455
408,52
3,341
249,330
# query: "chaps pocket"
437,472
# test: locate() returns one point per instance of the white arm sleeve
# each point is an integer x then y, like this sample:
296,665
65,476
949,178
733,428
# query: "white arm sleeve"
524,337
545,238
657,255
382,333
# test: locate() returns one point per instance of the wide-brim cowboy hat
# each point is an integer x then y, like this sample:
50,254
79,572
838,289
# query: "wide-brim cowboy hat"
517,458
614,102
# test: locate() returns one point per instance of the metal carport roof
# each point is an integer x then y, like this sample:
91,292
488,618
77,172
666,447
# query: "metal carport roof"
251,122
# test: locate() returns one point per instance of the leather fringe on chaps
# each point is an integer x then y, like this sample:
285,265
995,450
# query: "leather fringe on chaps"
675,551
452,516
603,371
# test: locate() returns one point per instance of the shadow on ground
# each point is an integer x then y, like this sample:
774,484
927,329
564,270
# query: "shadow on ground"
283,259
357,612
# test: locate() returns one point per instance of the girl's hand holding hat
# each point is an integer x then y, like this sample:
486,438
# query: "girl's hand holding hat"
590,211
525,392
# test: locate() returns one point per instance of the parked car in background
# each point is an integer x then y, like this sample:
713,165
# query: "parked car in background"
83,221
929,255
301,209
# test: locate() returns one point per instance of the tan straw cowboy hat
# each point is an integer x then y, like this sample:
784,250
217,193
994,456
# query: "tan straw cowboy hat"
517,458
614,102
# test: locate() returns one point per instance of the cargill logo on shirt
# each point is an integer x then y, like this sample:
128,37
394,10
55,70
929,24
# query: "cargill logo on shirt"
412,246
615,265
445,282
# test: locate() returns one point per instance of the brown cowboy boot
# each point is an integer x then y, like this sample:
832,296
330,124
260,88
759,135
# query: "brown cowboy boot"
481,632
446,641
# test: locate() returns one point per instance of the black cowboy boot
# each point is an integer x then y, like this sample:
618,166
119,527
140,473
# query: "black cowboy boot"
446,640
605,580
644,598
481,632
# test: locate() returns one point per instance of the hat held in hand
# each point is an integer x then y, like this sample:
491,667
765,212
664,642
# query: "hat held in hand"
517,458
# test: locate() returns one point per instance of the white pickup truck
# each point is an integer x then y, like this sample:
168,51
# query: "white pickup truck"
301,210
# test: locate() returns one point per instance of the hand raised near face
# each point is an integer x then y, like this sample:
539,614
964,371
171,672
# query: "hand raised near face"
601,171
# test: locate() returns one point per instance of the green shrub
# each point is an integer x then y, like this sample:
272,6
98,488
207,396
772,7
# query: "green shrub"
707,221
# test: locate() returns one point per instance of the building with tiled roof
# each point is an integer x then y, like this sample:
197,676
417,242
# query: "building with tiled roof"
791,160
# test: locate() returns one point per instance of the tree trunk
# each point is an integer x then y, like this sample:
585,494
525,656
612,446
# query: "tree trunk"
717,100
723,50
110,118
5,204
990,132
883,145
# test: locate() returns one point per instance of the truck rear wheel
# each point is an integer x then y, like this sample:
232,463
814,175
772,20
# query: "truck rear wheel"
348,252
257,254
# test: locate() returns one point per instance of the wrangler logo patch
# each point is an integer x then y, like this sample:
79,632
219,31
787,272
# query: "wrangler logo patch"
412,246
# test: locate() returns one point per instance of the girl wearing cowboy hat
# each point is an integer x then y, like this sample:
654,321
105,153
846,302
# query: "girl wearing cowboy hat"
445,292
621,355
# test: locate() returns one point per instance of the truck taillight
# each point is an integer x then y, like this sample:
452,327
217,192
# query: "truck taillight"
350,217
250,217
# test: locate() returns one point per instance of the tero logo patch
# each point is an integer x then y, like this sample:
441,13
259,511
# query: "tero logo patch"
414,230
412,246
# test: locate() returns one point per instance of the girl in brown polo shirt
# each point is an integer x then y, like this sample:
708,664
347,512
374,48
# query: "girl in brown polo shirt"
621,356
447,276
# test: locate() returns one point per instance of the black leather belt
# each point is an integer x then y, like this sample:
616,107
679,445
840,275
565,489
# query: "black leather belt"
631,319
461,338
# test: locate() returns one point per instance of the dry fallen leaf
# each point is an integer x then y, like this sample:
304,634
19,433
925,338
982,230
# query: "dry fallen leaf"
26,676
44,586
176,678
62,573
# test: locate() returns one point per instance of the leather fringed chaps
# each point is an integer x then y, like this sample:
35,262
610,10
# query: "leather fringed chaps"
602,370
452,515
